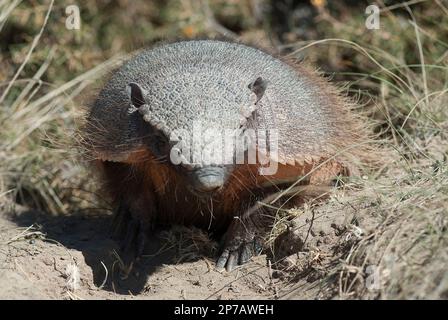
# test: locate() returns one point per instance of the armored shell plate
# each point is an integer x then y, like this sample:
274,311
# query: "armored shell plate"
207,81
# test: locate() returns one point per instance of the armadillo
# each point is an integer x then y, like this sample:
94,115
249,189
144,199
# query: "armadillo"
288,123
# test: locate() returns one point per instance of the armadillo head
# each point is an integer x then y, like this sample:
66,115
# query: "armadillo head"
198,119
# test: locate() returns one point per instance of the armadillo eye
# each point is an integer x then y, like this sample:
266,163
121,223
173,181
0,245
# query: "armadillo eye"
160,144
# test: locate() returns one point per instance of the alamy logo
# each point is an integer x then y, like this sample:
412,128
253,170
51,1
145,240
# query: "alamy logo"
73,20
373,18
206,145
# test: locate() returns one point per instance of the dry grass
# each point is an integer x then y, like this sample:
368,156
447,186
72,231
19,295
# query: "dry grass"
404,83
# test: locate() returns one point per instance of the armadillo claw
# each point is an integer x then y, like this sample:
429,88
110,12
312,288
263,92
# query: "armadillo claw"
222,260
132,246
232,262
229,259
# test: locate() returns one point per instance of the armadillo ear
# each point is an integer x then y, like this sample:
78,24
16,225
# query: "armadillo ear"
136,94
258,87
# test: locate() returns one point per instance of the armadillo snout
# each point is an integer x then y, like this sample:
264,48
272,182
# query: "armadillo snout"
208,180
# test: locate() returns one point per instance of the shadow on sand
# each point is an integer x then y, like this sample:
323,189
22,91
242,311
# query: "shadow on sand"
90,234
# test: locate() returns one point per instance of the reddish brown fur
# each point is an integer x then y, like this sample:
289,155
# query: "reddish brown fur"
158,194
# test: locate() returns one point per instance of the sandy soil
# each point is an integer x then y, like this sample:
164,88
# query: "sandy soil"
72,257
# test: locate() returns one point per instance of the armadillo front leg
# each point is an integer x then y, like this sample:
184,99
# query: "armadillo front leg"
133,229
241,242
244,238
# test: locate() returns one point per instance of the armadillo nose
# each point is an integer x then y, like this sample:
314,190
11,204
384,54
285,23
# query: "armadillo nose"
208,179
209,183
